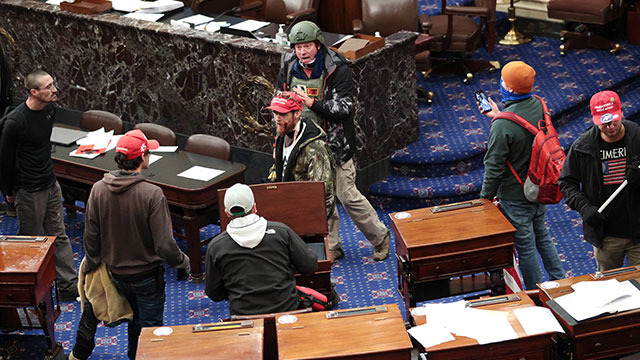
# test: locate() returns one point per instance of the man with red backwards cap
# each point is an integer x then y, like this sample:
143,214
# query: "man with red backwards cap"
301,153
128,228
599,161
509,141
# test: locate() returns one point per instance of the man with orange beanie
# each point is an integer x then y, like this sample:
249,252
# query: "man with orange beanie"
510,142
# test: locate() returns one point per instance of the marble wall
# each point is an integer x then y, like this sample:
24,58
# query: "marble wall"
198,82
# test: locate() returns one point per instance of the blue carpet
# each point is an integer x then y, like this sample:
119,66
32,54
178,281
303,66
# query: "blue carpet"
445,165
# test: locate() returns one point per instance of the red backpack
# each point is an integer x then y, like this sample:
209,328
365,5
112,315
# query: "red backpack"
547,158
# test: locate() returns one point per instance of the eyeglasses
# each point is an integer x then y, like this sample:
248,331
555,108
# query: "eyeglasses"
53,85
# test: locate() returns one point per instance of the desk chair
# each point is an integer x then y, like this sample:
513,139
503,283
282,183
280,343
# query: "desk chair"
280,11
209,145
90,120
597,13
457,32
390,16
164,135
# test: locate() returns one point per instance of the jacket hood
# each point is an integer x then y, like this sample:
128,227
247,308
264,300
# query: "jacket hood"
120,180
247,231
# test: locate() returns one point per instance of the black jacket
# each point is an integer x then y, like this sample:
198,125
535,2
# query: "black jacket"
260,279
581,179
336,106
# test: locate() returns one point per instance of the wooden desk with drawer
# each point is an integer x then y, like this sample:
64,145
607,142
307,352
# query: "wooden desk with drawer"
526,347
434,246
601,337
27,272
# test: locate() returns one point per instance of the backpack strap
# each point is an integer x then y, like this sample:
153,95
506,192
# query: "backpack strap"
509,115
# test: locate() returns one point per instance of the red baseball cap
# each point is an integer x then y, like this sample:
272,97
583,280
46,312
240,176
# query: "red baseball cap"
285,102
133,144
605,107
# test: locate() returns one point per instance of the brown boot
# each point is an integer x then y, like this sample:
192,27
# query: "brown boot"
382,251
335,254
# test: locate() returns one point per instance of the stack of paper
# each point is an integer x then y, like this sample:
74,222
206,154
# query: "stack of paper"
594,298
158,6
95,143
485,326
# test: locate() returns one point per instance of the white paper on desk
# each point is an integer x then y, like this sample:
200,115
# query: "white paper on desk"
594,298
486,326
92,155
537,320
114,142
165,149
55,2
249,25
153,158
200,173
212,26
197,19
133,5
144,16
430,335
98,138
439,314
629,302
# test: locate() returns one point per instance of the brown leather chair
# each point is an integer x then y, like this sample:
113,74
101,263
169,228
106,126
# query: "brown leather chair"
280,11
209,145
214,7
457,32
95,119
597,13
164,135
390,16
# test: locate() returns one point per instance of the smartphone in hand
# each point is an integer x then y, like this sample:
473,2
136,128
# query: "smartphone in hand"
483,101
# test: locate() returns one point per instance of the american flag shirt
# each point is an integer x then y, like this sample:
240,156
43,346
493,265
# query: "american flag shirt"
613,157
613,160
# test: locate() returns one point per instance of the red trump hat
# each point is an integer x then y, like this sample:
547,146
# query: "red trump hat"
133,144
605,107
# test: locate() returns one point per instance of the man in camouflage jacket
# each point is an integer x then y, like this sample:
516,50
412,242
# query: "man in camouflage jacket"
301,152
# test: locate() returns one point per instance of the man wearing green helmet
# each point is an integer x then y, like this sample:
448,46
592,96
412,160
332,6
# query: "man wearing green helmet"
322,78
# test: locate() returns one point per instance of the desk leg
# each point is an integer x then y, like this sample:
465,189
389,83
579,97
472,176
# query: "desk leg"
191,226
48,321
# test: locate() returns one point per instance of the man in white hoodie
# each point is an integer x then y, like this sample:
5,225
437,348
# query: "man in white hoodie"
252,263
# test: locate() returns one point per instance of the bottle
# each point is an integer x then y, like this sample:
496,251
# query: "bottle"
281,36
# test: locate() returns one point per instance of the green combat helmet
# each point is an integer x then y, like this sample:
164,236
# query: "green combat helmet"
305,31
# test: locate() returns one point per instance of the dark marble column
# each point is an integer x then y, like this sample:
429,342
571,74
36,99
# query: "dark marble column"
198,82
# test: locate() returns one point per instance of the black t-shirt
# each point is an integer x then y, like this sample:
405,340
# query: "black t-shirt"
27,149
613,159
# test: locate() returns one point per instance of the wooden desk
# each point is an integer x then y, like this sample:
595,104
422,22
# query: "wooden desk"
193,203
602,337
433,247
370,336
27,272
525,347
182,343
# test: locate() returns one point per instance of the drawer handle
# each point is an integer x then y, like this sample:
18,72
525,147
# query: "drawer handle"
464,261
597,344
437,268
10,296
490,261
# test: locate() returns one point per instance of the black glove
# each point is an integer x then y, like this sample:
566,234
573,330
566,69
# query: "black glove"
183,274
633,174
592,217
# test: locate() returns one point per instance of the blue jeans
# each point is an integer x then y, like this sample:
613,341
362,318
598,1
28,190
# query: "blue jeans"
146,297
531,235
